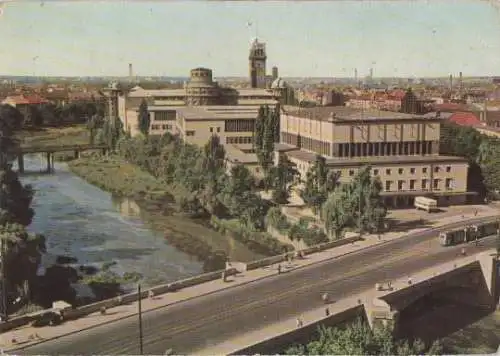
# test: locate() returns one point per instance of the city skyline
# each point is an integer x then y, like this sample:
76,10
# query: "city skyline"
304,39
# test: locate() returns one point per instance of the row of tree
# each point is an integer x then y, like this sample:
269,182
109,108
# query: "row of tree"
483,153
20,250
359,339
56,115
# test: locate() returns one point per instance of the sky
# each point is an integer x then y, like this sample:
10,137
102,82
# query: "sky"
303,38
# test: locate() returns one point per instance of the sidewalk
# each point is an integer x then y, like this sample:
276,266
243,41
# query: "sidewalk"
316,315
25,335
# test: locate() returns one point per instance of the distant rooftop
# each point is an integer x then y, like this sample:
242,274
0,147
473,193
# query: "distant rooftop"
343,113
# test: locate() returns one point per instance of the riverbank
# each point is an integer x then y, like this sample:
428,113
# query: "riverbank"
158,209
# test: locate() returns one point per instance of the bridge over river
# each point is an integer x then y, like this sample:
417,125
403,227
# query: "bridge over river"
49,152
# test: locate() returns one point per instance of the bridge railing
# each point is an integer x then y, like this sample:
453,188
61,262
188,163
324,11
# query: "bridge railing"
60,148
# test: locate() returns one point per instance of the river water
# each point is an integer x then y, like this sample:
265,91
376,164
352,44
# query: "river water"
81,220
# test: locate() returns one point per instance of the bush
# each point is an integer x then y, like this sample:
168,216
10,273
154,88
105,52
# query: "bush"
257,241
277,220
310,235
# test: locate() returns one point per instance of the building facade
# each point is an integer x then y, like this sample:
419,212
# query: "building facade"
402,149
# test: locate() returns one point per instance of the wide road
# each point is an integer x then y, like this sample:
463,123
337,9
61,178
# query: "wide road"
201,322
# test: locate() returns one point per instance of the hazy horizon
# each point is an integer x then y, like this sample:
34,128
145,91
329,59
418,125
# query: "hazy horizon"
311,39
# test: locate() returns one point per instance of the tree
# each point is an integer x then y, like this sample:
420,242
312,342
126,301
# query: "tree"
213,170
93,125
112,130
319,183
144,119
266,134
359,339
21,251
281,179
356,204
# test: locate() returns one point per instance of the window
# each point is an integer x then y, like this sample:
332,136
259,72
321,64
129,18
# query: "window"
388,185
218,129
449,183
436,169
190,133
211,129
375,172
448,169
388,171
400,171
155,127
412,170
401,185
424,184
412,184
435,184
351,172
424,170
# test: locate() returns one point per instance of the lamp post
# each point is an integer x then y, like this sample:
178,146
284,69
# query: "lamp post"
139,296
5,314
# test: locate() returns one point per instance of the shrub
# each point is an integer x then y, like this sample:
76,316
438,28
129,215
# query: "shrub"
277,220
310,235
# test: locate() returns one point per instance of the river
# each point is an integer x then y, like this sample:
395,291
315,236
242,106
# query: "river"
82,221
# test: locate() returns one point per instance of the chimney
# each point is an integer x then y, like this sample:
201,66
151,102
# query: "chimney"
460,87
451,82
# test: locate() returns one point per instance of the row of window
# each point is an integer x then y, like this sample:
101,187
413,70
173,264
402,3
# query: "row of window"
239,140
239,125
161,127
214,129
320,147
424,185
388,171
385,148
164,115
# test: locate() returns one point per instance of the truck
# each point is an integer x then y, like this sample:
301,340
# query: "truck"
426,204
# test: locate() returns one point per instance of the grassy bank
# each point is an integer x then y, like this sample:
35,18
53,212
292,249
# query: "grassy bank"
54,136
115,175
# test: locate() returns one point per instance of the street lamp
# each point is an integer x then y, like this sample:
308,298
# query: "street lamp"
5,315
139,296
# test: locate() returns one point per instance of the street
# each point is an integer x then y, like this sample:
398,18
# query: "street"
201,322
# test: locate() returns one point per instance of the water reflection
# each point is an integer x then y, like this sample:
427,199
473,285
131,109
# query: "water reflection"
81,220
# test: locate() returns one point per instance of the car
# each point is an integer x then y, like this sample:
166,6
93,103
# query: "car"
47,319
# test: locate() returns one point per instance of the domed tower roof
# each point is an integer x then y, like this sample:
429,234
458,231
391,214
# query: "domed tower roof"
279,83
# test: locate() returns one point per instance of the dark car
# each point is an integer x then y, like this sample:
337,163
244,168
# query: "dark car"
49,318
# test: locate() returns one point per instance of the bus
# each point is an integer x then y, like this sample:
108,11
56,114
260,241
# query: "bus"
426,204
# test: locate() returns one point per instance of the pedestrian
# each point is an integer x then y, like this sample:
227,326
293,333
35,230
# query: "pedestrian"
409,280
223,276
475,212
379,237
327,311
299,322
389,285
279,268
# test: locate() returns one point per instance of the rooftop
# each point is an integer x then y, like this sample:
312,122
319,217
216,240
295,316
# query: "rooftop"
382,160
343,113
219,112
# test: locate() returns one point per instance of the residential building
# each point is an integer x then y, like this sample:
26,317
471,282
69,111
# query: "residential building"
402,149
25,102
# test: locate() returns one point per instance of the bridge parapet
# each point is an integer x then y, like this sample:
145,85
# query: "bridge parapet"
463,273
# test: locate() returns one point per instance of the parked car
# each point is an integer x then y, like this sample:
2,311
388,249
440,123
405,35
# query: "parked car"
46,319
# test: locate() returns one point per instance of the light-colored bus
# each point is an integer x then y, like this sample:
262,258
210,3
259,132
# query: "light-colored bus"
426,204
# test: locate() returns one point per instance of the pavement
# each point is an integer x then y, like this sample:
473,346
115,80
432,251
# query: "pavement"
184,323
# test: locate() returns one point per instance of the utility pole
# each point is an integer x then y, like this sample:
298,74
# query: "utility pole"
141,351
5,315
